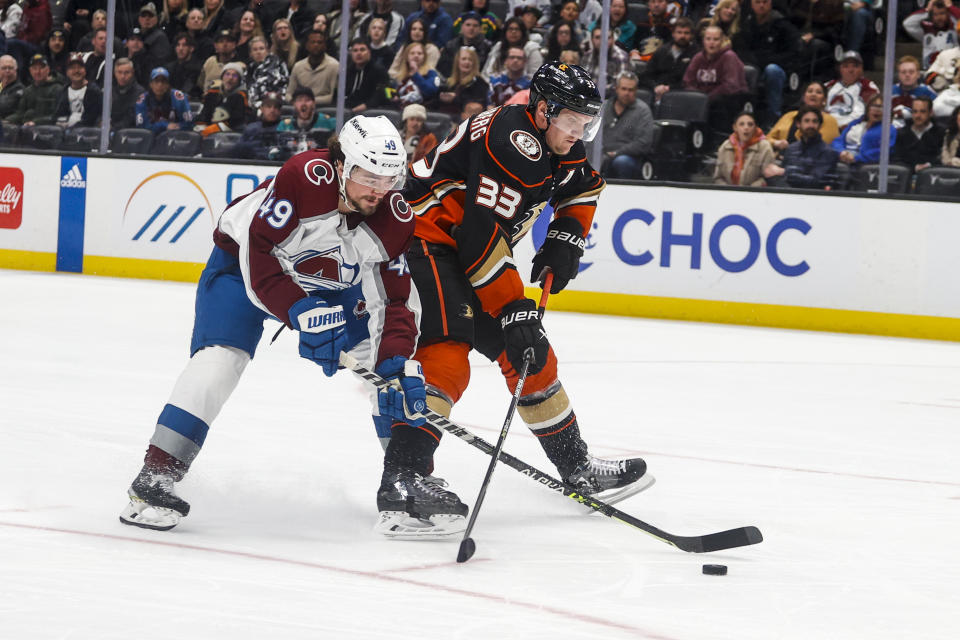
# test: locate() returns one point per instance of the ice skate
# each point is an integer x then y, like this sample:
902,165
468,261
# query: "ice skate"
610,480
417,507
154,504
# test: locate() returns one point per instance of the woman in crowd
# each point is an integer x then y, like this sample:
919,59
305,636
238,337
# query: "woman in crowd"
950,156
418,140
266,72
785,130
418,82
55,48
320,23
746,157
570,12
563,37
247,28
416,32
727,17
489,22
380,51
619,20
861,139
285,46
173,18
514,35
212,17
464,85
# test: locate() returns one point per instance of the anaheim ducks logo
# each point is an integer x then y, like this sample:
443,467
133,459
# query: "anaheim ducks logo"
526,144
318,170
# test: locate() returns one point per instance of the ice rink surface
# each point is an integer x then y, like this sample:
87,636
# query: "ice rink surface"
842,449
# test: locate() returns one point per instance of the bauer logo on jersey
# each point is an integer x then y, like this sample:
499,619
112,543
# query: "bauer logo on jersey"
73,179
526,144
319,171
324,270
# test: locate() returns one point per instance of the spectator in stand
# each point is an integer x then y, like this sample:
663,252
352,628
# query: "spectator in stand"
619,20
513,79
617,59
35,21
392,21
627,130
470,36
226,52
418,83
490,23
260,140
562,37
718,72
162,108
173,18
301,18
213,17
185,70
10,17
438,23
820,23
514,35
80,102
570,12
358,11
465,84
950,154
96,61
381,52
787,128
138,54
414,31
567,57
665,70
727,17
857,24
266,73
745,158
225,107
653,31
531,20
320,24
769,42
75,17
57,53
99,21
809,162
155,43
515,9
204,47
247,28
318,71
860,140
126,92
948,99
920,143
474,108
366,80
935,27
11,89
284,45
909,87
38,103
418,141
306,121
847,95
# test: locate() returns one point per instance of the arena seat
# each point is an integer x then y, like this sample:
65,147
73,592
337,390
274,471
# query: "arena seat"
220,145
81,139
44,136
687,112
439,123
939,181
392,114
132,141
637,12
177,143
866,177
645,95
10,134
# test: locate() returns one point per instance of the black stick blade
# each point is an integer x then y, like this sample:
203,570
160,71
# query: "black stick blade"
742,537
467,548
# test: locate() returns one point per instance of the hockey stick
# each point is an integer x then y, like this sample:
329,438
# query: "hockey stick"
730,539
467,546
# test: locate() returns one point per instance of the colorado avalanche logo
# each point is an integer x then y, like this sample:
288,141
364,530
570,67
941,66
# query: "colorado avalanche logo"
324,270
319,171
360,309
401,210
526,144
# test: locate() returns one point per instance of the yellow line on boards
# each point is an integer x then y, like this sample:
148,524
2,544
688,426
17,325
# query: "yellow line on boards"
139,268
757,314
28,260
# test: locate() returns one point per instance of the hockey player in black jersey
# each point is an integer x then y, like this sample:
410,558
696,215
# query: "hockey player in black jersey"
475,196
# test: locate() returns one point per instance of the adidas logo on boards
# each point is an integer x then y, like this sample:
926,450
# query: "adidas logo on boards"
73,178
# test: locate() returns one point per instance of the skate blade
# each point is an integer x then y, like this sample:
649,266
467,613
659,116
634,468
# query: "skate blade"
399,525
613,496
140,514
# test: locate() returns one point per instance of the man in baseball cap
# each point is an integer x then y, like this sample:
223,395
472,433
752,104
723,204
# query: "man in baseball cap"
79,103
260,138
39,101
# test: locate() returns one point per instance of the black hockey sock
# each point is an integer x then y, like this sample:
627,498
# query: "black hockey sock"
410,447
563,444
159,461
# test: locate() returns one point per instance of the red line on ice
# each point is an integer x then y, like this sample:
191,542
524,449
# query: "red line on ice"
355,572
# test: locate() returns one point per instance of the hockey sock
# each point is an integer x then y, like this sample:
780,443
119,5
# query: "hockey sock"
410,447
158,460
562,443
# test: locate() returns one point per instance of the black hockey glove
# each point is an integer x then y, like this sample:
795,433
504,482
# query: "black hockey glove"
560,252
521,331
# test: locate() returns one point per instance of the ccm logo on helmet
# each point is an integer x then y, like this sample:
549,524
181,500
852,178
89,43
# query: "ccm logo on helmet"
318,171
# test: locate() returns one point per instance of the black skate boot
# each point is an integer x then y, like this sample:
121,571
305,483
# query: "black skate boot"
154,504
418,507
609,480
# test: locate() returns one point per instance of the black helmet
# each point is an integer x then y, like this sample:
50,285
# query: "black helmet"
566,86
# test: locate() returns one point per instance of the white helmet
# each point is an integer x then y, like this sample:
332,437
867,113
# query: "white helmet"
373,144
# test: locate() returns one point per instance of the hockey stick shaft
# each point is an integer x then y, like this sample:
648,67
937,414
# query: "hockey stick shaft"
467,545
730,539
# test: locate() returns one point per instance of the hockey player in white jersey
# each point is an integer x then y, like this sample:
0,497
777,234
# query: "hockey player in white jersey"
321,248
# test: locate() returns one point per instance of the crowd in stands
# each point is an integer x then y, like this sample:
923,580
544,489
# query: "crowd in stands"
782,81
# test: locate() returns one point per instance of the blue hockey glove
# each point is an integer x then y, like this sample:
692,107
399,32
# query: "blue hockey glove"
406,398
323,331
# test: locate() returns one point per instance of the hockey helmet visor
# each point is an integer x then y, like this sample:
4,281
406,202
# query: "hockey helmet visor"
578,125
376,182
573,100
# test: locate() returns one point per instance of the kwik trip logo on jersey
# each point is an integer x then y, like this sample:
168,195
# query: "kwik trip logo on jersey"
164,206
11,197
73,179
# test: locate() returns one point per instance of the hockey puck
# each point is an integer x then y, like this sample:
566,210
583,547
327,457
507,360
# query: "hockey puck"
715,569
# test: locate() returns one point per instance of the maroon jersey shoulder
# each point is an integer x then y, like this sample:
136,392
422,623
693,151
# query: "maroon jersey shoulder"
309,181
393,224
